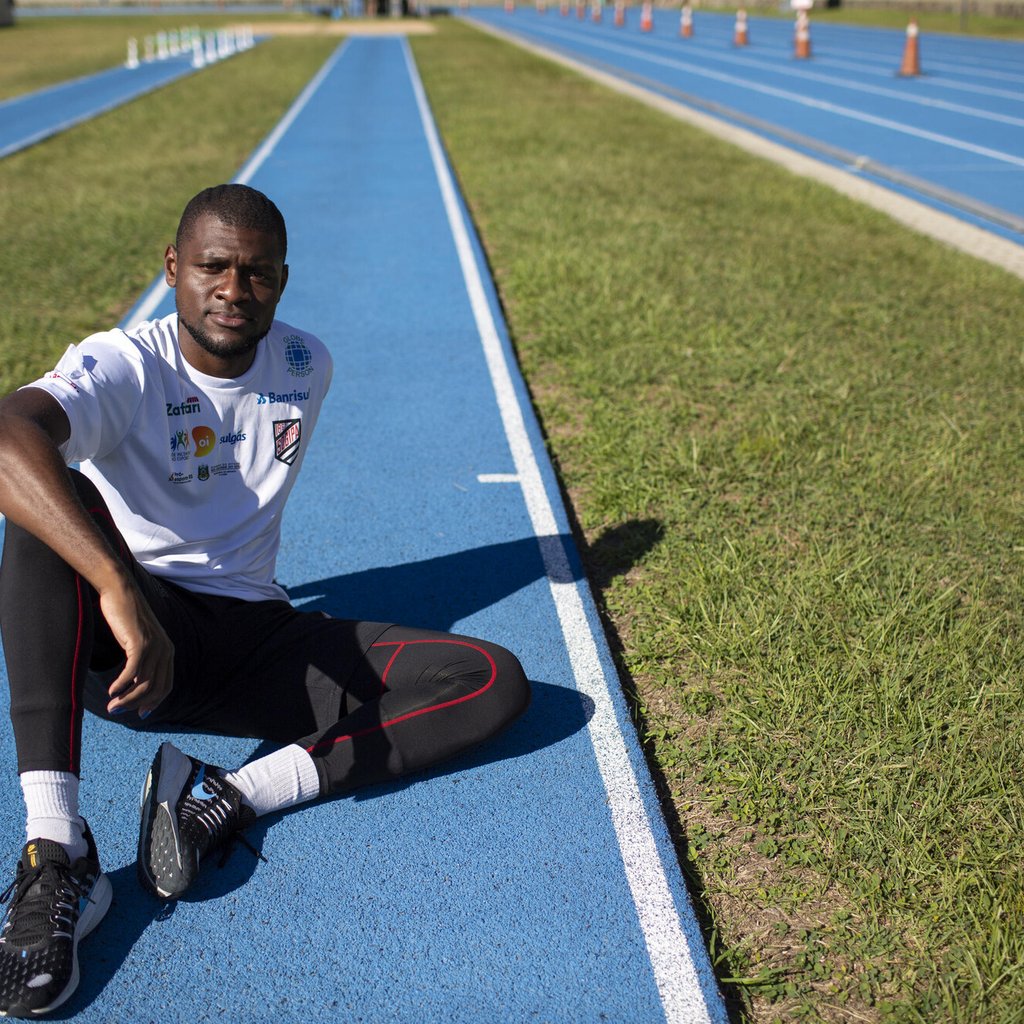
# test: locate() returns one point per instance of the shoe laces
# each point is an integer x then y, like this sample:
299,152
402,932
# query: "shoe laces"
217,821
42,902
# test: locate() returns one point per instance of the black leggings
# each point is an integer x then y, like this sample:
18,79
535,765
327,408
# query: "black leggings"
369,701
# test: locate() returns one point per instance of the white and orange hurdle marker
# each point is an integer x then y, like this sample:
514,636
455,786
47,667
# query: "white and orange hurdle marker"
510,6
595,12
646,16
542,6
563,8
802,36
686,22
620,13
911,65
581,10
740,36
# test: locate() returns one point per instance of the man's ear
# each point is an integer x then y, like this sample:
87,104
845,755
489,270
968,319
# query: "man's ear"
171,266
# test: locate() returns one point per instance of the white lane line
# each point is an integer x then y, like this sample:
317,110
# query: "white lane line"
498,478
159,291
900,95
792,97
671,944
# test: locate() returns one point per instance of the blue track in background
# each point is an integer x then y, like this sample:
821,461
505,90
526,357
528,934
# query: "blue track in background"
531,880
26,120
959,127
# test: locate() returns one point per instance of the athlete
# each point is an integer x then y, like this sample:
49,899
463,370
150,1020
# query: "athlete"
121,582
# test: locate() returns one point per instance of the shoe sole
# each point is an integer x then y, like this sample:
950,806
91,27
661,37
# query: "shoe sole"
100,898
164,783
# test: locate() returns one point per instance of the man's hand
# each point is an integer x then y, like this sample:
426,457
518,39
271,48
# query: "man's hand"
148,674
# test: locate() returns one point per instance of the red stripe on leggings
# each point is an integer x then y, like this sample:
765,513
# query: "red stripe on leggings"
321,746
74,674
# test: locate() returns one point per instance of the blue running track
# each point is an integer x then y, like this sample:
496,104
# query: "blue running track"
952,138
533,880
26,120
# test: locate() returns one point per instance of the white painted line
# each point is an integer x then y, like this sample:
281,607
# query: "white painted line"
670,944
800,98
498,478
952,231
156,295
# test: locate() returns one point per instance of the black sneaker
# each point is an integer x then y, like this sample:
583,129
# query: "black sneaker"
188,811
53,905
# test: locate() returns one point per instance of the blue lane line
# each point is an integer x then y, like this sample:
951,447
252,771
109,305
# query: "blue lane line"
496,888
961,131
27,120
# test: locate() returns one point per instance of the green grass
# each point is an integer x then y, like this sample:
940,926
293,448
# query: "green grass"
790,433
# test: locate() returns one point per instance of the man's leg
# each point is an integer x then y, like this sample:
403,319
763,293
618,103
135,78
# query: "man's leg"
409,699
417,698
51,632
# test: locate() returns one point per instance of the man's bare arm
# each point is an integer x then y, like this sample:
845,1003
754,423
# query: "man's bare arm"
36,494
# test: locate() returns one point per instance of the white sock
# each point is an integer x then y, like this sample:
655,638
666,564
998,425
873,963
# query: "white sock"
282,779
51,802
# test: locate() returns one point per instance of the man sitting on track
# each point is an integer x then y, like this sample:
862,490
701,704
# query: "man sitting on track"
143,588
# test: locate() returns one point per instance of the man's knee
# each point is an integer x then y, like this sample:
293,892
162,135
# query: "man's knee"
511,683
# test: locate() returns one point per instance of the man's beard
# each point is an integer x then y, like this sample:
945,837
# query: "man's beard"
219,349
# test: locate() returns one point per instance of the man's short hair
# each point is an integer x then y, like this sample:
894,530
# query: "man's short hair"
238,206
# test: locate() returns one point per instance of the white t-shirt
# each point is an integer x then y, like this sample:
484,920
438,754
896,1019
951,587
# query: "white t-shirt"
194,469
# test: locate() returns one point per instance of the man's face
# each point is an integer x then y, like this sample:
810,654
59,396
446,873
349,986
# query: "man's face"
227,282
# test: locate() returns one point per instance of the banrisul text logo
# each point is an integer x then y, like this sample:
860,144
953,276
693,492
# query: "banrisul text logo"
297,356
189,406
281,397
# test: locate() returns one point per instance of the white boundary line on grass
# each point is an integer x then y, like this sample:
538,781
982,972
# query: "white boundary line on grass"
917,216
159,290
668,944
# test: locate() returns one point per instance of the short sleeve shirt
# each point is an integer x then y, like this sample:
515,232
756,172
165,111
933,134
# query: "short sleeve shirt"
195,470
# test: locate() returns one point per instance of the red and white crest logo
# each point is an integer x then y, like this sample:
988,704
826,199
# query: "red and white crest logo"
287,435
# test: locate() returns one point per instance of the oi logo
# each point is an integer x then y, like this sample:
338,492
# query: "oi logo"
205,440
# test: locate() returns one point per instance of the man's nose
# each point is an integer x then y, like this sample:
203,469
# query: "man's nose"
233,285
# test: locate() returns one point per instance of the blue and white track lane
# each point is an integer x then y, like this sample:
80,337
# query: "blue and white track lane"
29,119
533,879
959,127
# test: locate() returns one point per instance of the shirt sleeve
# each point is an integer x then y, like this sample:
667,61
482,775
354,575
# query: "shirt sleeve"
98,384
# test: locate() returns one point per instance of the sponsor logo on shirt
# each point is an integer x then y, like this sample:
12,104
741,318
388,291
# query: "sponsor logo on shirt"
178,477
179,446
204,472
232,439
187,407
287,435
63,378
283,397
297,356
205,440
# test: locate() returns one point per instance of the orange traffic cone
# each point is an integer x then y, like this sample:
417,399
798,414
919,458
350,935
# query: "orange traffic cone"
740,37
802,36
620,13
911,52
686,22
646,17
